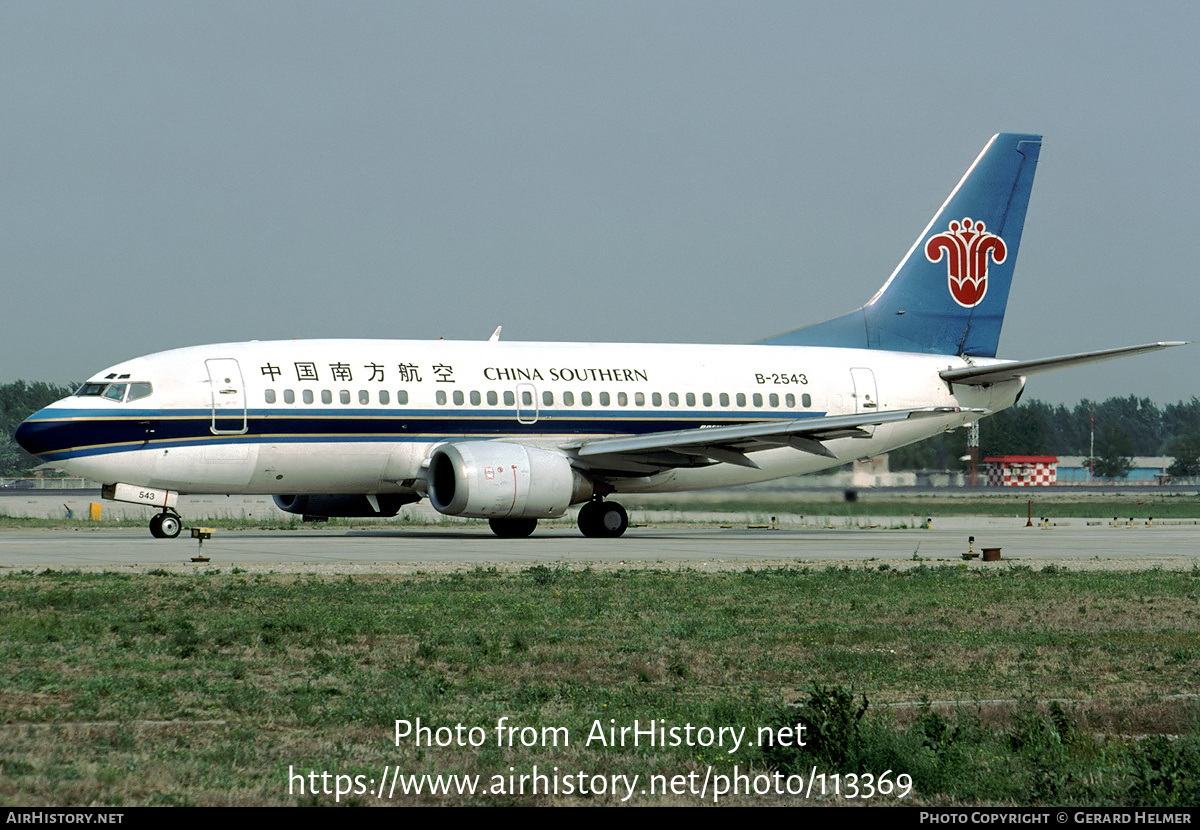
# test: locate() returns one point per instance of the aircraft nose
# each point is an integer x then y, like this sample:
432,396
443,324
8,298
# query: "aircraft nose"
33,435
24,435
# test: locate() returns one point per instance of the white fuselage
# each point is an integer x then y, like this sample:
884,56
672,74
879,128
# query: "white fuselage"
363,416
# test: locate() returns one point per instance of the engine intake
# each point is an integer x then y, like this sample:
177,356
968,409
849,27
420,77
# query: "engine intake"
496,479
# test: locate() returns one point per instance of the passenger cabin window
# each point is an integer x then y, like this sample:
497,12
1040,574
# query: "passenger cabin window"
585,398
344,396
806,399
604,399
384,397
440,397
510,399
308,396
402,397
492,399
364,397
568,398
547,398
269,396
289,396
326,396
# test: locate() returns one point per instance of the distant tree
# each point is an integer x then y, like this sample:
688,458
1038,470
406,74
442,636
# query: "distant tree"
12,458
941,452
1180,419
1185,449
1065,433
1114,458
1139,419
1018,430
1131,426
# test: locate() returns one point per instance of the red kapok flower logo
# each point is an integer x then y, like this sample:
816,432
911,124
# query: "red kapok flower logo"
967,247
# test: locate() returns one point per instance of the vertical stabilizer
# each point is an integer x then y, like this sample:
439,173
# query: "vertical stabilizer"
948,294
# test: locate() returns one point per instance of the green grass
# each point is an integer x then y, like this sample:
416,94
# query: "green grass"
207,688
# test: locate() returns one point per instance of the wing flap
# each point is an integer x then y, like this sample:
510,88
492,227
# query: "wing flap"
731,444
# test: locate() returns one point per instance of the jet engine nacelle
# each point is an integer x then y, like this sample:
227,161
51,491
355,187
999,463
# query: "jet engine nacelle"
348,505
497,480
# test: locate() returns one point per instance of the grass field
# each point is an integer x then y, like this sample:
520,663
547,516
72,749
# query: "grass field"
1011,686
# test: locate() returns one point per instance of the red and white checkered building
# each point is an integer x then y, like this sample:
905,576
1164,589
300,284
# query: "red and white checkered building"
1021,470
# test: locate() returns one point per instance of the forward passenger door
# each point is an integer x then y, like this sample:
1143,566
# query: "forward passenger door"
228,396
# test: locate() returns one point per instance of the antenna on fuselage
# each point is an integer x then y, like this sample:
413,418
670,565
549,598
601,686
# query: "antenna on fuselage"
495,335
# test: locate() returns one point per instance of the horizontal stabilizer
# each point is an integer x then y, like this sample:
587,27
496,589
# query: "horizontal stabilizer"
997,373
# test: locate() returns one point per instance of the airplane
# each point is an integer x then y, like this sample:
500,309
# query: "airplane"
515,432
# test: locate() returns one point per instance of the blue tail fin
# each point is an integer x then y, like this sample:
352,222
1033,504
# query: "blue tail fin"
947,296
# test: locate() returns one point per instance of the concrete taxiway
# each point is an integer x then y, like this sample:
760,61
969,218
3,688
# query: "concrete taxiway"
1074,543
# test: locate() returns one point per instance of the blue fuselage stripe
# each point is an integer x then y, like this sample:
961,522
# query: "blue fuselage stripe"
61,434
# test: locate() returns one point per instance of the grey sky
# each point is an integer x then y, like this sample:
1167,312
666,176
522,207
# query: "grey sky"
183,173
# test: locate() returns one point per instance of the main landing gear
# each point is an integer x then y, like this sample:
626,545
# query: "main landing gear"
165,525
600,519
604,519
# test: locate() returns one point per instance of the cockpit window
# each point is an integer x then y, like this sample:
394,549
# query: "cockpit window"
116,391
139,390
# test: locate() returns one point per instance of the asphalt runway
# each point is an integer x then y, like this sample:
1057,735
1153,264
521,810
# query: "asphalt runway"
1073,543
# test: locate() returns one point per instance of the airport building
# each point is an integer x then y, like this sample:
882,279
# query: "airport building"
1150,469
1021,470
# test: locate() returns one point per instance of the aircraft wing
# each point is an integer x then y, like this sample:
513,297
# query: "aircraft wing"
643,454
984,375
